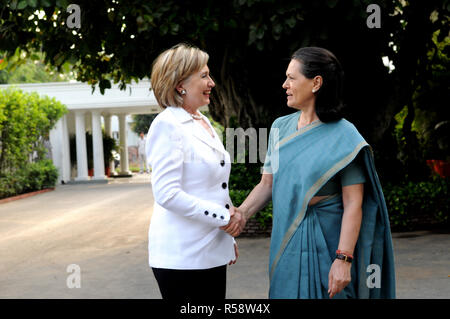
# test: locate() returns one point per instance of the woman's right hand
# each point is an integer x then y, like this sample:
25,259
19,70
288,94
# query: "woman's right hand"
236,224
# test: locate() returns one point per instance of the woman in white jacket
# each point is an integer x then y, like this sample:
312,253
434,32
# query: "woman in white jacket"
188,252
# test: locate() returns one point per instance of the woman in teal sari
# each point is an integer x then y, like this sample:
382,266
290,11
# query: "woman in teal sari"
330,235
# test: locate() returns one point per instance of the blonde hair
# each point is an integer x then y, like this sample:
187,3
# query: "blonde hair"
172,67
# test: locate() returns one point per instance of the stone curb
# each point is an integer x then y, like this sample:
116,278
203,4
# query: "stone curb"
21,196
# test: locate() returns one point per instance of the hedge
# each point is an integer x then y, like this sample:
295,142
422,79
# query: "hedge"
32,177
25,122
413,206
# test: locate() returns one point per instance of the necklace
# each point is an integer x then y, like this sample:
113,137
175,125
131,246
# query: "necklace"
196,116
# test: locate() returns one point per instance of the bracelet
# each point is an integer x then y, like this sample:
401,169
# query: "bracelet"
343,253
344,258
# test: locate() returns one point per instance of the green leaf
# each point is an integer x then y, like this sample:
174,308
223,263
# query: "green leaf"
104,84
46,3
232,24
22,5
174,28
62,3
332,3
163,30
252,35
72,59
3,64
32,3
277,28
260,45
59,58
13,4
215,27
291,22
260,33
111,16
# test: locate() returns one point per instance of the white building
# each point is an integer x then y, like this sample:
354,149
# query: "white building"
87,112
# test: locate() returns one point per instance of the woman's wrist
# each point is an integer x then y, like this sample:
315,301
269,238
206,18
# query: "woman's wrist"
345,252
343,263
343,256
244,211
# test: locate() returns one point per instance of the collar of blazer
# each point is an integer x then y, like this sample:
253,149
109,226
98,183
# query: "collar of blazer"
184,118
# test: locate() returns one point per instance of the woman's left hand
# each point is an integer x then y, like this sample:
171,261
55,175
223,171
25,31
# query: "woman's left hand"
236,251
339,276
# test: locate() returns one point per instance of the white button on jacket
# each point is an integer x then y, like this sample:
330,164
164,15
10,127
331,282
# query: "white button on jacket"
190,172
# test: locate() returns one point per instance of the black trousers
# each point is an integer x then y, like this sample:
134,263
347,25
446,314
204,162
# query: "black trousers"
196,284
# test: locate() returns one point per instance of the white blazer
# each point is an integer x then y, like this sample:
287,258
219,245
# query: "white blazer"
190,172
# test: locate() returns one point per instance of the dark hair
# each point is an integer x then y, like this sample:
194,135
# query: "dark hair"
318,61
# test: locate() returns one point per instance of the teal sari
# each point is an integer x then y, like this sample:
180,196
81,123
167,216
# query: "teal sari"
305,238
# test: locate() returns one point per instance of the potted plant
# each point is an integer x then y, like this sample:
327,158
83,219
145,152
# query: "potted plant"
109,147
440,150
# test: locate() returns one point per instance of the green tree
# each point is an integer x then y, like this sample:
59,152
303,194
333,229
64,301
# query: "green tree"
30,70
25,121
420,79
249,42
141,122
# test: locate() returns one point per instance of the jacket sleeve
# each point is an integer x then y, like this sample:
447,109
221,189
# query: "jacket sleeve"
165,155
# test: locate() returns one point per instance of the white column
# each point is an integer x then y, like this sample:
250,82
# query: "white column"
124,169
82,166
108,132
65,151
97,146
107,120
56,141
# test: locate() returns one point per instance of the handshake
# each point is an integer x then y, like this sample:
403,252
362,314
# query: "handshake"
237,222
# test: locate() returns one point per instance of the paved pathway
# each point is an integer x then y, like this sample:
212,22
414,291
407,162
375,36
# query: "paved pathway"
102,228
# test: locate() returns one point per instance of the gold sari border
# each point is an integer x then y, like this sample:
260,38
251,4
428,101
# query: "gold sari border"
301,131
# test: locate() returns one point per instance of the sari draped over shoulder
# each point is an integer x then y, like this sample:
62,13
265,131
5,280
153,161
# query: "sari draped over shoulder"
305,238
